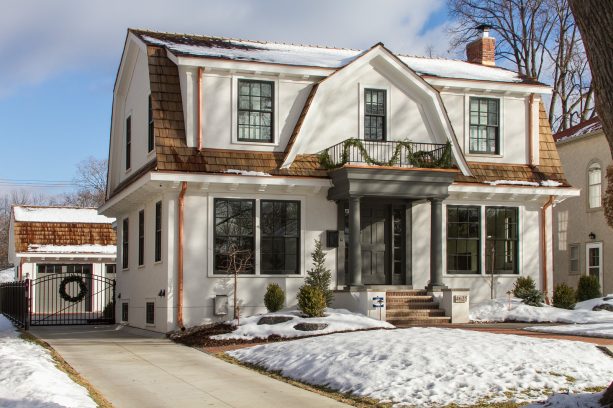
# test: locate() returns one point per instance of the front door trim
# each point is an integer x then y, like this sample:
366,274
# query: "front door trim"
589,246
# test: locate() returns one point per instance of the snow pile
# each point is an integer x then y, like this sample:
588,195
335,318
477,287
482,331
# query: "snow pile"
550,183
60,214
604,330
247,173
73,249
7,275
513,183
430,366
336,319
498,310
29,378
590,304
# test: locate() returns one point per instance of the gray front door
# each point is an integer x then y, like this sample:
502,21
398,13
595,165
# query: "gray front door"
375,244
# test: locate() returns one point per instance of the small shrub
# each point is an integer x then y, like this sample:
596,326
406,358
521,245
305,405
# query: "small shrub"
533,297
588,288
311,301
274,299
319,275
524,286
564,296
109,310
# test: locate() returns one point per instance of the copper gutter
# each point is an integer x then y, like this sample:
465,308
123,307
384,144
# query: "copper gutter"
544,245
530,131
180,257
199,108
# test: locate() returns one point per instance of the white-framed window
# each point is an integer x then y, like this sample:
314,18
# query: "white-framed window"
269,230
125,246
255,106
374,113
593,260
573,258
594,185
484,126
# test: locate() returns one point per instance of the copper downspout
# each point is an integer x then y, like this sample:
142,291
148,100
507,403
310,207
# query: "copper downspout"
544,241
180,257
530,131
199,108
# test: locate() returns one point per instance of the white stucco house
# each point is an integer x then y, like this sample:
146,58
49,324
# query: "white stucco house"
408,169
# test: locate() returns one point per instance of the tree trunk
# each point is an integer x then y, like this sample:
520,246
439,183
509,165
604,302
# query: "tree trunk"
595,21
607,398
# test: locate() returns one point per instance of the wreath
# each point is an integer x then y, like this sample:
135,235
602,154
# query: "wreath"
82,289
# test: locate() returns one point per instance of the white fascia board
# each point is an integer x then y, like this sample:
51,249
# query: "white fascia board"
53,255
517,190
139,183
235,179
248,66
492,86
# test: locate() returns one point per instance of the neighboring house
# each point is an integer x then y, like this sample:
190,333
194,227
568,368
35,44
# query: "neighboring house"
218,143
46,243
582,236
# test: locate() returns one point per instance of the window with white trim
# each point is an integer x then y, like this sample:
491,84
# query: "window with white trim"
503,237
594,182
484,126
255,111
463,239
375,114
573,258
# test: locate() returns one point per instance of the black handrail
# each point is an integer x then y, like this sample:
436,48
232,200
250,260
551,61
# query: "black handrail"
387,153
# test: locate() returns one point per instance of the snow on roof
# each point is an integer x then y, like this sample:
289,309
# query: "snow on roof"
314,56
60,214
73,249
7,275
587,126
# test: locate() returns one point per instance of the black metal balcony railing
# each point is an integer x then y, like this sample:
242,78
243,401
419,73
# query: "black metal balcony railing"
392,153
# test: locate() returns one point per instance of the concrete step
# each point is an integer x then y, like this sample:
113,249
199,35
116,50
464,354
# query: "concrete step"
412,306
410,299
422,321
398,313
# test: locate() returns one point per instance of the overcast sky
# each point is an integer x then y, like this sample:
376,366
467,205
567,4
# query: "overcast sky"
58,59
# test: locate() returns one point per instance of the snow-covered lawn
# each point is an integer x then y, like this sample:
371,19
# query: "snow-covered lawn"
590,304
604,330
430,366
336,319
498,310
29,377
580,400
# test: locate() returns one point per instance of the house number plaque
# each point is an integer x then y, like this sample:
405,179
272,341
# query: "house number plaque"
460,299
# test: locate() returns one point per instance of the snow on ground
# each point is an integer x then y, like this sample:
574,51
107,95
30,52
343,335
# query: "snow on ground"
7,275
570,401
590,304
604,330
497,310
431,366
29,377
60,214
337,320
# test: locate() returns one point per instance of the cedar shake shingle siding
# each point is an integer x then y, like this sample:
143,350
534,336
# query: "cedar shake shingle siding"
61,233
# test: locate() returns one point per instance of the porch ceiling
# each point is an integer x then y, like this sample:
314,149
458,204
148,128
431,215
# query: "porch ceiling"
390,182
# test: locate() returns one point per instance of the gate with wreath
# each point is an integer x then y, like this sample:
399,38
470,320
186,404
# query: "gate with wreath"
71,299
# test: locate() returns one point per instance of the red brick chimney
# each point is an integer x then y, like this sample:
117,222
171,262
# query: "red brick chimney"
482,50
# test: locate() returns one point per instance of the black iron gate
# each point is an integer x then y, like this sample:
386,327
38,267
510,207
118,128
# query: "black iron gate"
70,299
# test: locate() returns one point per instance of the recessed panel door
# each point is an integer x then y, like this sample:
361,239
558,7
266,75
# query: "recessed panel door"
374,238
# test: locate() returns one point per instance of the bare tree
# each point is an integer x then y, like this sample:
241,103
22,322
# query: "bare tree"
91,182
595,21
236,262
540,39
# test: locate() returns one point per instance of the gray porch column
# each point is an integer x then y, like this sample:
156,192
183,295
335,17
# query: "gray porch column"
355,245
436,244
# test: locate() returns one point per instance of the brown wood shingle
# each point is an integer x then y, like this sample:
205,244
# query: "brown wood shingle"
61,233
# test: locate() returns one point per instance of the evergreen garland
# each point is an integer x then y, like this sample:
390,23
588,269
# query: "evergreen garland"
420,158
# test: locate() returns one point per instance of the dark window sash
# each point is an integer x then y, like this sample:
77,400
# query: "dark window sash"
128,142
242,223
258,112
150,128
158,232
141,237
375,114
150,313
277,230
463,231
125,245
491,114
505,240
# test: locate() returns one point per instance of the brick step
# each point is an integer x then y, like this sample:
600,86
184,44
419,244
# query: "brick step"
409,299
398,313
415,292
412,306
427,321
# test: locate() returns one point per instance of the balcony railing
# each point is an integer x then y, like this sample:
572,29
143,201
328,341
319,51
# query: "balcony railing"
392,153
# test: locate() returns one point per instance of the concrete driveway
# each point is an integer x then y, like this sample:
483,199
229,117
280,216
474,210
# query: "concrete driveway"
135,368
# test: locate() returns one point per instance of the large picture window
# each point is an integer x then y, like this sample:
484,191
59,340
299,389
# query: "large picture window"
463,239
279,237
503,237
484,126
375,114
255,110
234,231
594,180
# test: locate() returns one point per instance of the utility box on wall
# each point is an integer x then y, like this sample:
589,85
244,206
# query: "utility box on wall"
332,239
221,305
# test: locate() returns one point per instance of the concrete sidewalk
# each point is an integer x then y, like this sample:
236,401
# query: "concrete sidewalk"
135,368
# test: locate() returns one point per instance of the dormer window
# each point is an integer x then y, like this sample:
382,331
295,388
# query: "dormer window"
484,126
255,111
375,114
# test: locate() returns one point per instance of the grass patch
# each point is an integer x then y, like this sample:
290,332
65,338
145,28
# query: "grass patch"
61,364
